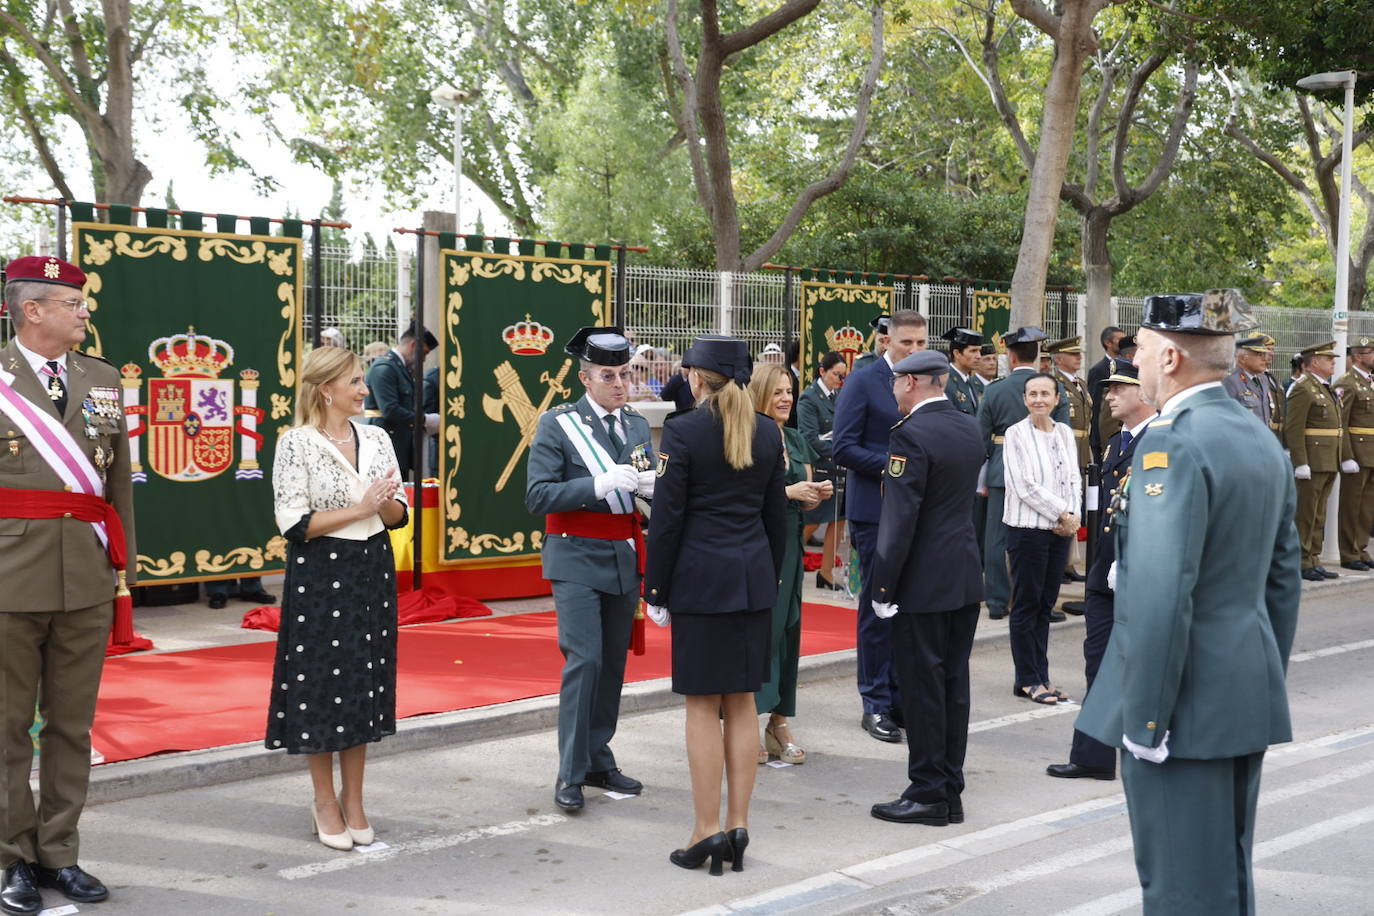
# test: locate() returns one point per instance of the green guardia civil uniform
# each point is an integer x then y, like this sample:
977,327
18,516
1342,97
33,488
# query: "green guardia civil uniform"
962,393
1207,592
1314,436
595,579
1355,392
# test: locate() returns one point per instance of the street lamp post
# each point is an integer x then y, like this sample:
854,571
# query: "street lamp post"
1340,309
450,97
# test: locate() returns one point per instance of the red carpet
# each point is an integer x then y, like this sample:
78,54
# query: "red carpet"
179,701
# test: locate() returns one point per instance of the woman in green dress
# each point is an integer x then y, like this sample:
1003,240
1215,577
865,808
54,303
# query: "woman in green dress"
770,388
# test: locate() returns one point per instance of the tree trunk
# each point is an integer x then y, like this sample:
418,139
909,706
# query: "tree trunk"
1097,270
1051,161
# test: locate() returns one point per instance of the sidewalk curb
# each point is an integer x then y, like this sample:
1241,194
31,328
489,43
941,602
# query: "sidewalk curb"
173,771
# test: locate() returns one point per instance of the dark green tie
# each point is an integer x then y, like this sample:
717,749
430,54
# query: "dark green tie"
616,442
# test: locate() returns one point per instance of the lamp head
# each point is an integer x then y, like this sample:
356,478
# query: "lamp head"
1319,82
450,97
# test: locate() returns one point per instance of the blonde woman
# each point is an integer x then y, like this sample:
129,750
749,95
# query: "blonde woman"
716,545
771,391
337,490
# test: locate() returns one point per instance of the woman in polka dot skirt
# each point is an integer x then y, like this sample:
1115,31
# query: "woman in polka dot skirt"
337,489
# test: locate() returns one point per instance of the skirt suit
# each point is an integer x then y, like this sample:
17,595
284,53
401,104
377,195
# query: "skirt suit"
715,551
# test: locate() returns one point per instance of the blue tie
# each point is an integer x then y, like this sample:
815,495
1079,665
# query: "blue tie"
1125,440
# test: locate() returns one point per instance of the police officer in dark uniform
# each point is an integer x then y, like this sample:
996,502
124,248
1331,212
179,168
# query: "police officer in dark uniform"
390,399
588,461
928,578
1089,757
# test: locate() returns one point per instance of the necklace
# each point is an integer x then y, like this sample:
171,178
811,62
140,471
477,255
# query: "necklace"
344,441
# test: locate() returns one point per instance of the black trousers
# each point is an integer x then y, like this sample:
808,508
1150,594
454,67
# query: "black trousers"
1097,616
930,653
1037,568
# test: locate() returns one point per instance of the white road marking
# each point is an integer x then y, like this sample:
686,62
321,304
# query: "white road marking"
1332,650
419,845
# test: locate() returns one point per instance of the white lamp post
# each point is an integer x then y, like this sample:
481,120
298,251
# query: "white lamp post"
1340,310
450,97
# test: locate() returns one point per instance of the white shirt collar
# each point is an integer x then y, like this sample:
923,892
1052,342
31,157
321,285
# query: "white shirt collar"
1364,375
37,362
887,355
938,397
821,385
985,379
1139,428
1068,375
1175,402
602,412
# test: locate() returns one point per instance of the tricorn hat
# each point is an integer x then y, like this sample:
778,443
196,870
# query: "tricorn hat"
962,337
727,356
1028,334
605,346
879,323
1215,312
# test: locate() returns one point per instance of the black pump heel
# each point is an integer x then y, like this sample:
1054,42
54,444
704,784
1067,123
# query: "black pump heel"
739,839
714,846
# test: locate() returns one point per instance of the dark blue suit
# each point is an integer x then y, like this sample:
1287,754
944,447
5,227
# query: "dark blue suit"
1098,607
864,416
928,564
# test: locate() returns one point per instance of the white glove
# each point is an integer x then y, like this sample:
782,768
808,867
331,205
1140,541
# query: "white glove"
1348,466
884,611
620,477
658,615
646,484
431,423
1148,754
1111,576
1303,472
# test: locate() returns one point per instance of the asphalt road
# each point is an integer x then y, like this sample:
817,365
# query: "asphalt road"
471,828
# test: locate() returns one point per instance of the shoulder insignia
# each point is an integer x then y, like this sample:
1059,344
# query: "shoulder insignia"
1153,460
1161,423
630,411
662,464
95,356
896,465
565,407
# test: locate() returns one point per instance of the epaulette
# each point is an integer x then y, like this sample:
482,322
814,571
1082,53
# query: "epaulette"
565,407
1157,424
94,356
678,413
1000,378
631,411
901,421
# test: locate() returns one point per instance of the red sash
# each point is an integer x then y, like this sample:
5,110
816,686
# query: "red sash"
607,526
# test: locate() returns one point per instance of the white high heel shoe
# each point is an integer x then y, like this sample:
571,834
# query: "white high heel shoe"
360,837
342,841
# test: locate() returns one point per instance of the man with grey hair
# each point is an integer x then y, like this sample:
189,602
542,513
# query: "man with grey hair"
1207,561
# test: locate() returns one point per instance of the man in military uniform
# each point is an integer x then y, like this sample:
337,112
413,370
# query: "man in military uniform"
1097,381
1207,561
1247,383
1003,404
880,337
1068,359
965,351
1355,392
1318,447
588,462
66,549
927,579
1088,757
986,373
864,414
1278,398
390,401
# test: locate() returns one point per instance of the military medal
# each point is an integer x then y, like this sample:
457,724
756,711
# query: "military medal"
14,447
639,459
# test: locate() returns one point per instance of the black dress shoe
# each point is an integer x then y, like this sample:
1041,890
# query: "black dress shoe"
822,583
1326,573
1311,575
218,601
1072,607
1072,576
614,780
258,597
734,854
567,797
906,811
1357,565
996,615
894,715
881,727
1057,616
956,809
73,882
1074,771
20,895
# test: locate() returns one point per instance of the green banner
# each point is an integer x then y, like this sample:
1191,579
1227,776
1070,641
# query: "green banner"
205,329
835,316
506,321
991,315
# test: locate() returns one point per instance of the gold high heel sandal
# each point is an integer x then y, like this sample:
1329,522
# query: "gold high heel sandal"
340,841
787,752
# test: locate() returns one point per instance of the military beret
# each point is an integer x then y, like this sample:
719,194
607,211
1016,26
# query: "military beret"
922,362
1028,334
962,337
44,269
604,346
1215,312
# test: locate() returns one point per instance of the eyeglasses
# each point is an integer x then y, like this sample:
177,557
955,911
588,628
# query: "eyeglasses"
71,305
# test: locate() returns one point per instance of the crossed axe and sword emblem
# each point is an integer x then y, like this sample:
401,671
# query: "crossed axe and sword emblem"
514,398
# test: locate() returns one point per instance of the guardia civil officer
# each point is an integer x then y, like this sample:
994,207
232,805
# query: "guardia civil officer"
67,527
965,351
588,461
1192,685
716,549
879,324
1318,445
864,415
390,399
1090,758
1355,392
986,373
928,579
1004,404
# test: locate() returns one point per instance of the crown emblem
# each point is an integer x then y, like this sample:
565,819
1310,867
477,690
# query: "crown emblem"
190,355
847,339
528,337
131,370
249,375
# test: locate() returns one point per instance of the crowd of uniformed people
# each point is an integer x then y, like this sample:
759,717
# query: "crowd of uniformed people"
961,489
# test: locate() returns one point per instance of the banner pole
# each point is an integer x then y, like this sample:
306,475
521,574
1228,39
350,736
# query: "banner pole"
316,290
417,444
620,285
62,228
788,323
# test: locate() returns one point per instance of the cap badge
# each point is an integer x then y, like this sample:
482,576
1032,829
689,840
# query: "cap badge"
51,269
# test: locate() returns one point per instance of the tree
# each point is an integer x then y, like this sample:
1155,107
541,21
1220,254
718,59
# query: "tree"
703,121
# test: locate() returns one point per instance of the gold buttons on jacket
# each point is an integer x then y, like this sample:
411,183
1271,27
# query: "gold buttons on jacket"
67,487
66,515
1150,725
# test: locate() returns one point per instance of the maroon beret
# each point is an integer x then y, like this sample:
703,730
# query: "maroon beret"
45,269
